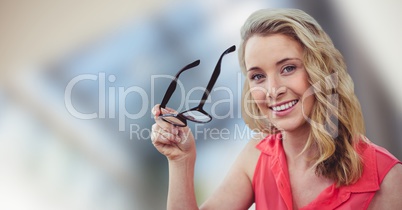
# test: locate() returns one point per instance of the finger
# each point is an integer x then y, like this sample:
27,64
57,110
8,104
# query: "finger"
169,110
156,110
184,134
158,139
167,126
165,139
165,135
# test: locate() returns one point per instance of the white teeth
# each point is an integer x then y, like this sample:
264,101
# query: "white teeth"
284,106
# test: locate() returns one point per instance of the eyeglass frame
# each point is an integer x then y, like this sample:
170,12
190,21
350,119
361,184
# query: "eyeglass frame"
172,87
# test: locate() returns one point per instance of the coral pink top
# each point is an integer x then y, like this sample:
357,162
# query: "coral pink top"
272,187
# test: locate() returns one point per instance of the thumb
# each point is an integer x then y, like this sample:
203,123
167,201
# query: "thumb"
156,111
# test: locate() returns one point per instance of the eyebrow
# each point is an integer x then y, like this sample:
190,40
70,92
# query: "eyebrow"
254,68
286,59
277,63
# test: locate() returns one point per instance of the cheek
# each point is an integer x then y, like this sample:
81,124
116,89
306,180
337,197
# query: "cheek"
258,95
306,92
308,103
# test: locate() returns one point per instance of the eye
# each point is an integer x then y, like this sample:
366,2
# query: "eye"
288,69
257,77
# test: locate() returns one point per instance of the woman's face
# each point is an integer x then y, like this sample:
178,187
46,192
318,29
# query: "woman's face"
278,81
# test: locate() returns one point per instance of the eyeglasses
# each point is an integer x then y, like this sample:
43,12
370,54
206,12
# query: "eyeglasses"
196,114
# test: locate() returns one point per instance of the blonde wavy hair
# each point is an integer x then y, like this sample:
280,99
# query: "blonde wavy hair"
336,120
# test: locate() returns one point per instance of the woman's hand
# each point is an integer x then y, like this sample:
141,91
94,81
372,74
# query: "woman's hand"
176,143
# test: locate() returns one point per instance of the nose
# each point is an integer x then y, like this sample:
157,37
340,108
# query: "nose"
275,88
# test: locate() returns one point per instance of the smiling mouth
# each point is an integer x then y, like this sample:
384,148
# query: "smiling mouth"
285,106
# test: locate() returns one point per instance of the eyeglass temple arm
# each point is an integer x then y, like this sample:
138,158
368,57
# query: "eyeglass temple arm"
173,84
214,76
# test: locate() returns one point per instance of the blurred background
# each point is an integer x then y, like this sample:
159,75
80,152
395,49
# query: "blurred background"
124,52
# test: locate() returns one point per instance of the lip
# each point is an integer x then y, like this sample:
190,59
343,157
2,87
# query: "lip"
284,112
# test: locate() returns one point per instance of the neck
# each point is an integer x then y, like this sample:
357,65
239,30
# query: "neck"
293,144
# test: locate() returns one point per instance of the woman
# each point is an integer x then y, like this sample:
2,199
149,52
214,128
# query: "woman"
312,154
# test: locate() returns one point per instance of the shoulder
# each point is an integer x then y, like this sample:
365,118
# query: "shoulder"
376,159
389,175
236,189
388,197
249,156
251,146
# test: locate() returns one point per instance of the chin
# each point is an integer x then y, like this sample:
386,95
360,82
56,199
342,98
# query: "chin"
290,125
